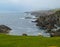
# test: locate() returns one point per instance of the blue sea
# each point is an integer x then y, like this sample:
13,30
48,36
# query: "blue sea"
19,24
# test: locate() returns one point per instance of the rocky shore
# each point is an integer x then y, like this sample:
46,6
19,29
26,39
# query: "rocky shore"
48,20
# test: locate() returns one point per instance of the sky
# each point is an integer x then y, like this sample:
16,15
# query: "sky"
27,5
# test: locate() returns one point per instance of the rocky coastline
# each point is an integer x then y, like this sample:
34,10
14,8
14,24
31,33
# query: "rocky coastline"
48,20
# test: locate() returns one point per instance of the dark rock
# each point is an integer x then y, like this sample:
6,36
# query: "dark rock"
54,33
28,17
4,29
49,21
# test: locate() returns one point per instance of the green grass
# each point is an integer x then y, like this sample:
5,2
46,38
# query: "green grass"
28,41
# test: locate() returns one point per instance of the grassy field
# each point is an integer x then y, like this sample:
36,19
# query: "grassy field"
28,41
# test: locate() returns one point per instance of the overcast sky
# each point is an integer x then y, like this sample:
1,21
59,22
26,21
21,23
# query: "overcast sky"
28,5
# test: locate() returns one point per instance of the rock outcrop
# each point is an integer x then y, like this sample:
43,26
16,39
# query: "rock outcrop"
54,33
49,21
4,29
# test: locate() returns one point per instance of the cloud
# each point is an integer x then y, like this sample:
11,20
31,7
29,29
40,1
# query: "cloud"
27,5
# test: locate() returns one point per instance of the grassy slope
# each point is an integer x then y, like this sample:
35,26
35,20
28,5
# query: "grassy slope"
28,41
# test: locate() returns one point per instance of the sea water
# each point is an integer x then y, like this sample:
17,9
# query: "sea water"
19,24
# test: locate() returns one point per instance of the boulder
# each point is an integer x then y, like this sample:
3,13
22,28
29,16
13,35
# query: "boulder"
4,29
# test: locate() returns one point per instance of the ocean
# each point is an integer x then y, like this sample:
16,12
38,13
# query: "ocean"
19,24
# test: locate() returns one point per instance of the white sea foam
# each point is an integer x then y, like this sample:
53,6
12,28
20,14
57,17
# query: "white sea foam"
21,18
